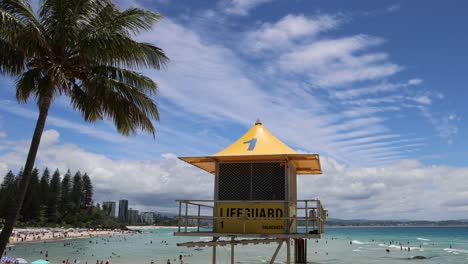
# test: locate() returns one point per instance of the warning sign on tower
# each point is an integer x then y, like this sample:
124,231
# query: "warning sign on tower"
251,218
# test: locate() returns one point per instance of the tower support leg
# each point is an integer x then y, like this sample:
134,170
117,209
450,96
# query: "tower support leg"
214,249
300,251
232,250
280,243
288,251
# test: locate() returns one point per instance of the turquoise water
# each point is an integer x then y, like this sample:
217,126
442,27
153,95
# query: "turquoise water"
439,244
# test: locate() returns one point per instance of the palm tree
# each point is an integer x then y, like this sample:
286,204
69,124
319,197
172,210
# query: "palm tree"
82,49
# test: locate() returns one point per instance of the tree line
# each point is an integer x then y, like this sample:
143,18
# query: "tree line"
52,199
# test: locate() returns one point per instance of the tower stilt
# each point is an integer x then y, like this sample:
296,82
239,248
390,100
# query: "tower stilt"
214,249
280,243
300,251
232,250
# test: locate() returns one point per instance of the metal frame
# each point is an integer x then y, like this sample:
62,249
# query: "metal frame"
313,224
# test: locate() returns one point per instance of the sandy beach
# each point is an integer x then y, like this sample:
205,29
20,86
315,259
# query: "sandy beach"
28,235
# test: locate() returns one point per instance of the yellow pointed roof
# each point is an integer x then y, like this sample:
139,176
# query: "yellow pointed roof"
256,145
257,141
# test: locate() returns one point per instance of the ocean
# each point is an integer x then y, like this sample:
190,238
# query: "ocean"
339,245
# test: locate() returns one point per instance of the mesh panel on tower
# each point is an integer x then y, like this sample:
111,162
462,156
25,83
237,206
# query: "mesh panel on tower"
268,181
234,181
251,181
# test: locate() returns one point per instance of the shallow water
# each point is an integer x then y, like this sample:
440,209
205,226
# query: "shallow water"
368,246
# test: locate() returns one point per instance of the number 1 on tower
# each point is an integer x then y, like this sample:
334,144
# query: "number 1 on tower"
251,143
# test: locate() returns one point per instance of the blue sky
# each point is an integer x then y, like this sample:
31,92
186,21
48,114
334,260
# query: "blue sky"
377,88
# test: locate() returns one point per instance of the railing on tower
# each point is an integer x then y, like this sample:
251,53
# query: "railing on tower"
301,217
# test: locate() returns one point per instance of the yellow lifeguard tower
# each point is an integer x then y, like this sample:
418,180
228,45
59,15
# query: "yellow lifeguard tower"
255,197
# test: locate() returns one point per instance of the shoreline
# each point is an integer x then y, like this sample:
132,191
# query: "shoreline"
38,235
157,227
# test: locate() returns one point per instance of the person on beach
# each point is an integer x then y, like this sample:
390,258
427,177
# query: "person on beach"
168,261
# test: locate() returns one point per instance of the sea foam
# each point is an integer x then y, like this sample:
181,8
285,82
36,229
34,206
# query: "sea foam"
455,251
358,242
422,239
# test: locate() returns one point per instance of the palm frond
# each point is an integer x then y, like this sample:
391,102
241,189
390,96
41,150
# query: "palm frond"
21,9
121,51
85,50
127,77
23,12
129,108
63,20
136,20
27,84
107,39
11,59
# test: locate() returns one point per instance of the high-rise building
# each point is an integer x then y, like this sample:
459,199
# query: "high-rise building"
109,208
147,218
123,211
133,216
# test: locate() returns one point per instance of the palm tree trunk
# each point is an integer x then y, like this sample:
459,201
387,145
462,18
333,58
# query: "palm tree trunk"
24,182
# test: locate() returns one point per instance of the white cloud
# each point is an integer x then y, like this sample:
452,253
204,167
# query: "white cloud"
445,124
379,88
424,99
242,7
290,28
114,179
336,62
406,189
415,81
225,90
393,8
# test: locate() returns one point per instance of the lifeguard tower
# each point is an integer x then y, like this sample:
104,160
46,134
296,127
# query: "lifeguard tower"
255,198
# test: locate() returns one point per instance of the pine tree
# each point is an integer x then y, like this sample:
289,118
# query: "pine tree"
53,198
45,181
7,193
87,192
77,192
32,205
65,195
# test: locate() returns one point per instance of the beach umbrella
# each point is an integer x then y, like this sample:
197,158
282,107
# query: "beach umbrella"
7,259
40,261
21,261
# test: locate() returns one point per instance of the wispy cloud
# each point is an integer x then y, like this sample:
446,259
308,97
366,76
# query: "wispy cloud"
89,130
336,62
446,124
394,8
225,90
379,88
288,30
241,7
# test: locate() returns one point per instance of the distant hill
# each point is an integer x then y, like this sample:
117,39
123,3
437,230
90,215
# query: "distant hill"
366,222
